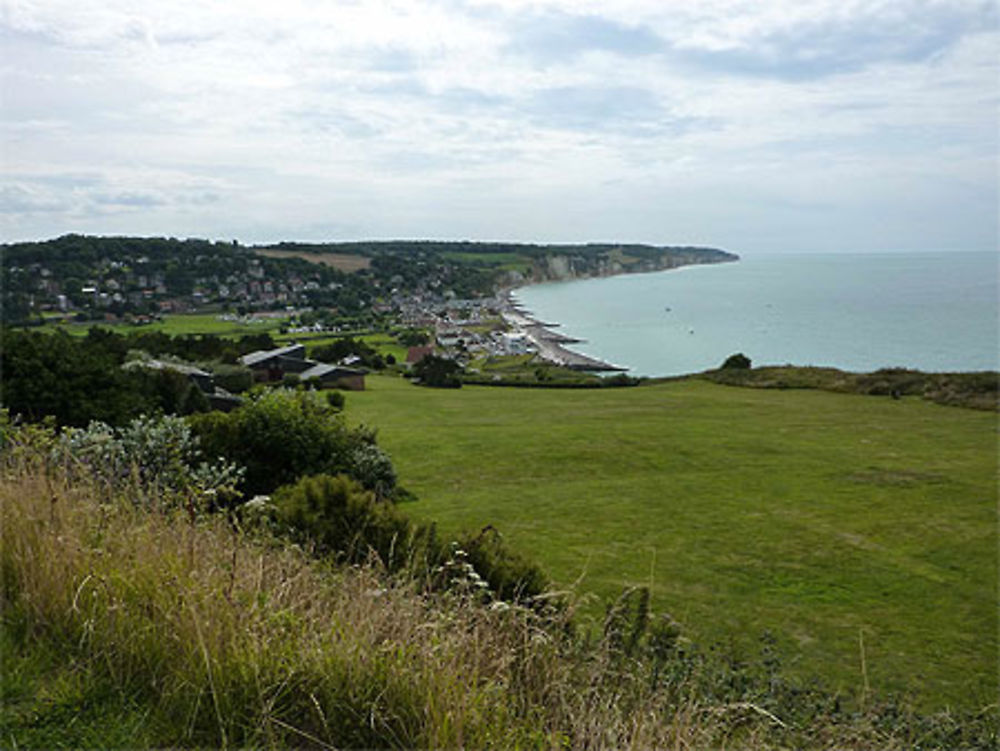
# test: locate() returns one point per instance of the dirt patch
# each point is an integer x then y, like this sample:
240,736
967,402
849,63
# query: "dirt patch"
340,261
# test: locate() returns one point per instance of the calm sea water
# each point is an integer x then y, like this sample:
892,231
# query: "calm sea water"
931,311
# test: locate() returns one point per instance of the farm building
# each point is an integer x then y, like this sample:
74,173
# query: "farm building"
274,364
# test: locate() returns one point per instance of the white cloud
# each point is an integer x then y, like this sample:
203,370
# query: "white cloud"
653,120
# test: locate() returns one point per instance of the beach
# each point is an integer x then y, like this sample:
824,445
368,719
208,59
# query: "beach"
549,344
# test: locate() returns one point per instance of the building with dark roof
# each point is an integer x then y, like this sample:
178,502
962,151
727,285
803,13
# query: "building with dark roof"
274,364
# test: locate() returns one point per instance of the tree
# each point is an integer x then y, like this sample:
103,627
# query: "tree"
74,381
345,347
413,337
439,372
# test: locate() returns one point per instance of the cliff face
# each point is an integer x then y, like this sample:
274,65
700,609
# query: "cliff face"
619,260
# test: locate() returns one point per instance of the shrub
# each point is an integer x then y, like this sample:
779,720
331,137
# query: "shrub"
739,361
346,347
510,576
73,380
280,435
372,467
233,378
340,518
413,337
161,453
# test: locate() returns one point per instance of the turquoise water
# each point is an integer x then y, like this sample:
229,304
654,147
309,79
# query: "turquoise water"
859,312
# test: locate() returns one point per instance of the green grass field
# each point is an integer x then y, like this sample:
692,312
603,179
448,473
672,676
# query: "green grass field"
179,325
209,323
829,520
503,261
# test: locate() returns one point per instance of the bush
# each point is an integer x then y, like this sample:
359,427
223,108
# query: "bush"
73,380
510,576
170,391
739,361
280,435
372,467
233,378
340,518
413,337
161,453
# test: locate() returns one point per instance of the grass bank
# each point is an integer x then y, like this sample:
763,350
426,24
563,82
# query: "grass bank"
977,390
124,625
860,531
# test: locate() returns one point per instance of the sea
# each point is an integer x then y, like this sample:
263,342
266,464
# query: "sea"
857,312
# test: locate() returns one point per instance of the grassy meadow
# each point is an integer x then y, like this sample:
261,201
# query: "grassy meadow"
859,531
342,261
181,324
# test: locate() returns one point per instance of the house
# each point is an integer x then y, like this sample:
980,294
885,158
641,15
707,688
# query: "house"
336,376
275,364
515,343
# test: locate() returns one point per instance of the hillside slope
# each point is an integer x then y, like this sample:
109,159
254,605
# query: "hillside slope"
826,519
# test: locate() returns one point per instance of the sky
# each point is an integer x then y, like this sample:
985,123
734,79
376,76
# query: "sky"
778,126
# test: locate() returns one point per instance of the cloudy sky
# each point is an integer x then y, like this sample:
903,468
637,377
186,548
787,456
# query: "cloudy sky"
787,125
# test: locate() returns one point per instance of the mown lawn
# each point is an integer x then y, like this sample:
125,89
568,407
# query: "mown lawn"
829,520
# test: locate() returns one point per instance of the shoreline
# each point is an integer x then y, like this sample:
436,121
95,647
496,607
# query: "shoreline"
767,309
549,344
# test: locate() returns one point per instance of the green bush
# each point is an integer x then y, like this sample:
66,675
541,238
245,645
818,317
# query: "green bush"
739,361
340,518
233,378
413,337
345,347
280,435
158,454
510,576
73,380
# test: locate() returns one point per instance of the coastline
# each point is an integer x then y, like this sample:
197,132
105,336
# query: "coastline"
549,345
859,313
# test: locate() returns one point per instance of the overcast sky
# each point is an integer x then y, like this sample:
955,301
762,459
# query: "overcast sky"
785,125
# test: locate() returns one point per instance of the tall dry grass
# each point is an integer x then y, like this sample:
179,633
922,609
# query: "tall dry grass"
234,641
231,640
